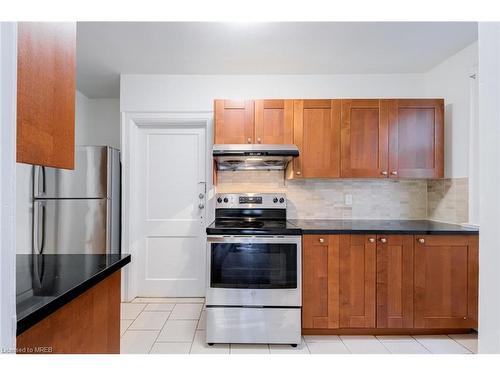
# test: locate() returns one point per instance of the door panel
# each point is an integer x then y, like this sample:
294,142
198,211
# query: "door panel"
317,135
70,226
445,281
357,281
320,301
364,138
46,86
172,163
416,129
395,281
274,121
234,121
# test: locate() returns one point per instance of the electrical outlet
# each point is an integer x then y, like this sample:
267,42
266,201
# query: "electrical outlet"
348,199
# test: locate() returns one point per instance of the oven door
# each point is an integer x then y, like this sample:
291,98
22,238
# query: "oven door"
254,271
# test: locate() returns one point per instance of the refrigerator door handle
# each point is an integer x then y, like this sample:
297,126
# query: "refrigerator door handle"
42,247
39,187
38,243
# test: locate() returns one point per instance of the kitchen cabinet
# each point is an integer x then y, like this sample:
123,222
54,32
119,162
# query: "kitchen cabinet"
320,283
317,135
446,281
234,121
364,138
46,77
416,138
395,281
274,121
357,281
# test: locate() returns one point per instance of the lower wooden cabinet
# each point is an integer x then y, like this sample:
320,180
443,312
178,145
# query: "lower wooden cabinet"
357,281
446,281
390,282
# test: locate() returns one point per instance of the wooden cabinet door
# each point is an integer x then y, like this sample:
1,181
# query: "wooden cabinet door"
274,121
46,77
446,281
357,281
320,281
364,138
234,121
416,133
317,135
395,281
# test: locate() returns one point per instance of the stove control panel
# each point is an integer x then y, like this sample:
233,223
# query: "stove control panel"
250,200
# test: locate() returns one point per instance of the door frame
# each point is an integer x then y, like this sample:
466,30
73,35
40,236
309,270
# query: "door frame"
131,124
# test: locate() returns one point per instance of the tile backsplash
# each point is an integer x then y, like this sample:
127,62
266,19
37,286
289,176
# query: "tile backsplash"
441,200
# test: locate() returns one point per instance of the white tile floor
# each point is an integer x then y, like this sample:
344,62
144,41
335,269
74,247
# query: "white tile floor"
177,326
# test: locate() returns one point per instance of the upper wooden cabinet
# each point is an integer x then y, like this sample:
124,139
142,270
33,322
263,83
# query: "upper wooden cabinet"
395,281
446,281
234,121
357,281
46,78
320,281
317,135
274,121
416,138
364,138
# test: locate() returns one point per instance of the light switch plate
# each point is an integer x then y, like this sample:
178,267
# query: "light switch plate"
348,199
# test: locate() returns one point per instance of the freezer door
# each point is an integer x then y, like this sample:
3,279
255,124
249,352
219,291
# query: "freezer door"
71,226
89,179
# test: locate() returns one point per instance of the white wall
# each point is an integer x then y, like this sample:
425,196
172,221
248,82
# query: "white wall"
143,93
489,177
8,61
97,121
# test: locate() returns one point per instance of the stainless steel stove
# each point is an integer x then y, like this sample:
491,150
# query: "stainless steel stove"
254,272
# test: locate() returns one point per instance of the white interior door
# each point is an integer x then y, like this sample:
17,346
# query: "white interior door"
171,202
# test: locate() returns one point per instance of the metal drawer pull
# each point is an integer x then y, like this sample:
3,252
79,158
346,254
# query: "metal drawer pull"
321,240
298,173
383,240
394,173
384,173
421,240
249,140
372,240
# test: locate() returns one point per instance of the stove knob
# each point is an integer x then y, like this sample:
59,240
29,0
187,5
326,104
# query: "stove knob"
226,200
275,200
282,200
219,200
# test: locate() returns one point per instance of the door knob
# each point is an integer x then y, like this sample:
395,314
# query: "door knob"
421,240
321,240
372,240
201,206
383,240
201,196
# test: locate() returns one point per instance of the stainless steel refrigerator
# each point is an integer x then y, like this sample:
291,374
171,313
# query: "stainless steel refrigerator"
78,211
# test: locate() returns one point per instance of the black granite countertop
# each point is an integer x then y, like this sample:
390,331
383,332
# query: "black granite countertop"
380,226
45,283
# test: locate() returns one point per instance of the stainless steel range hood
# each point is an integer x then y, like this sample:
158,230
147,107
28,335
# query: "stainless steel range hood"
253,157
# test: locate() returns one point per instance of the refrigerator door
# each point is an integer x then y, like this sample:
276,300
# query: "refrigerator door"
91,177
72,226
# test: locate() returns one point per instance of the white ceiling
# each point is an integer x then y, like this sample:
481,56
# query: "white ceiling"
106,49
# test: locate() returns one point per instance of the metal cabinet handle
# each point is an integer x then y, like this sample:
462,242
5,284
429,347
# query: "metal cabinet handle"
384,173
249,140
258,140
372,240
394,173
383,240
421,240
297,173
321,240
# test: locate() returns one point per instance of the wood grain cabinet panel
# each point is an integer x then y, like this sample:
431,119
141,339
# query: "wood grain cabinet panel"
320,286
364,138
274,121
416,133
357,281
234,121
395,281
446,281
317,135
46,79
